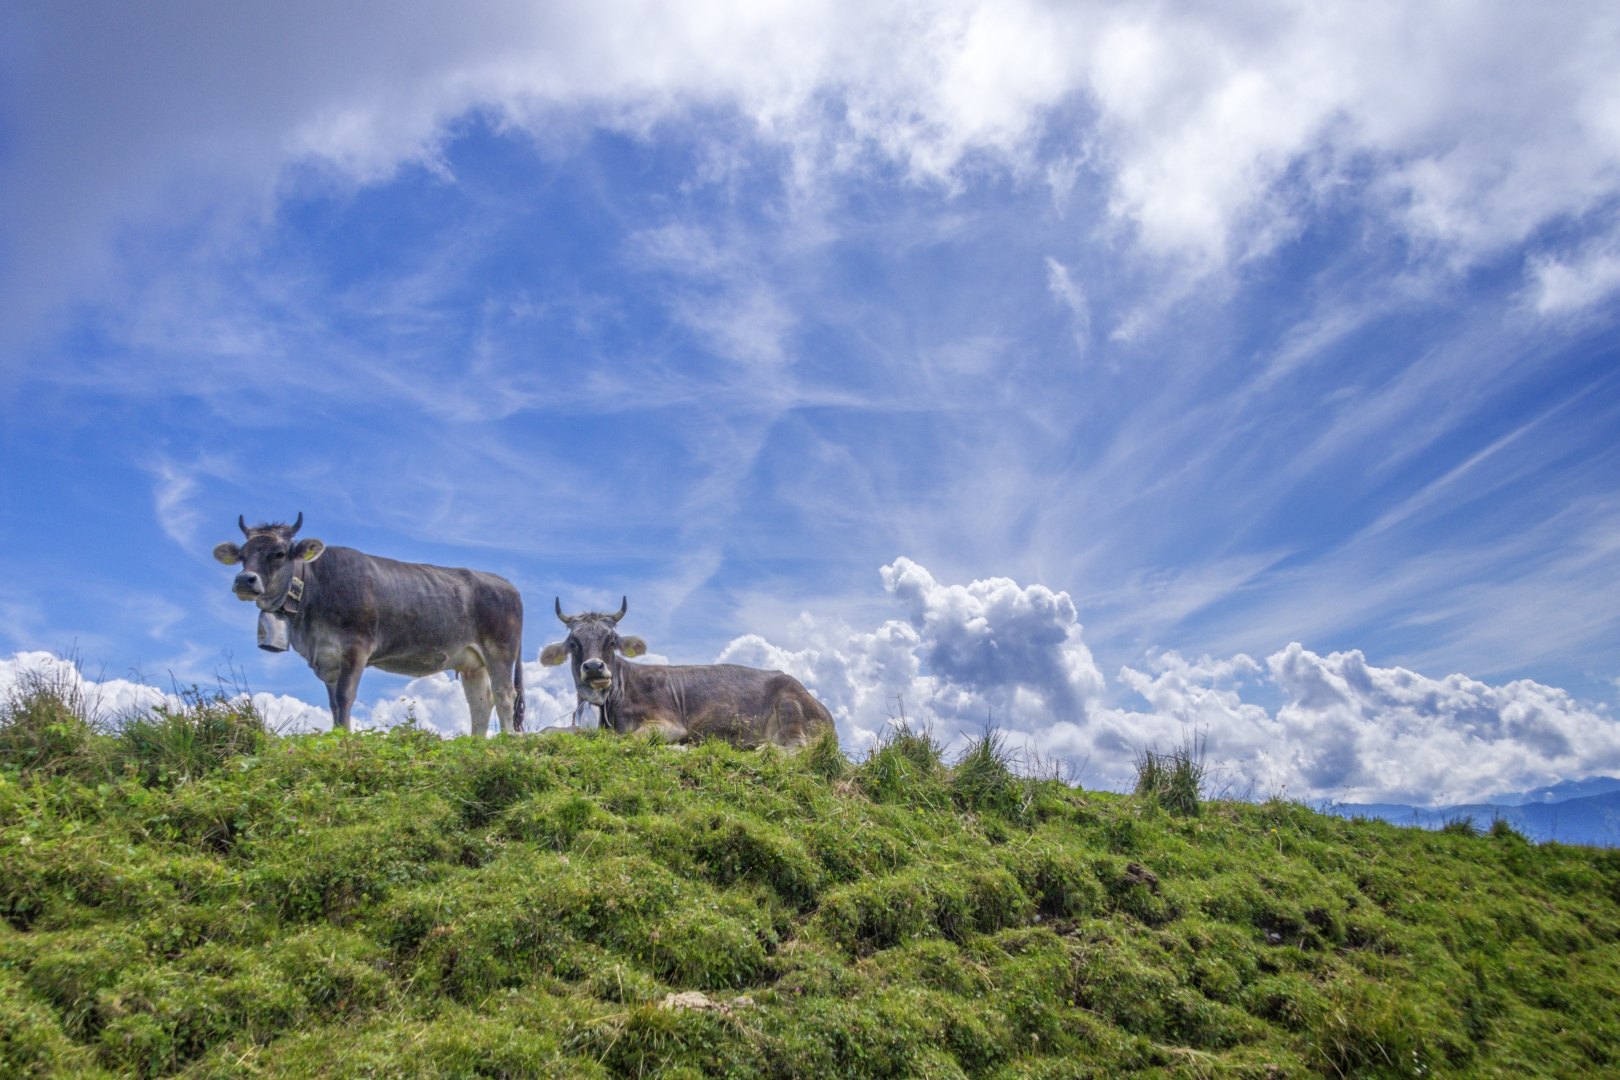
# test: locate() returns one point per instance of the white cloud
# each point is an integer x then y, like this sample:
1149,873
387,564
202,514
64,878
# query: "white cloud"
731,306
171,501
1345,730
437,701
1388,732
992,649
111,699
1215,127
175,488
288,715
963,655
1068,292
1568,285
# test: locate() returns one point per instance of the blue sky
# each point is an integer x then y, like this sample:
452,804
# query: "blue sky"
1282,324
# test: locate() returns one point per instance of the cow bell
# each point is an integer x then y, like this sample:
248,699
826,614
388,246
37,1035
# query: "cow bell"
274,631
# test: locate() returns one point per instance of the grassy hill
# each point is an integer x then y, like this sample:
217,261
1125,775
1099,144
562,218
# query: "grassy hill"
188,895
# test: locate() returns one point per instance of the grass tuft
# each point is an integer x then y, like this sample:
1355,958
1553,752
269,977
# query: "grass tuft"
906,766
1461,826
1174,779
983,780
47,725
1503,829
179,743
825,757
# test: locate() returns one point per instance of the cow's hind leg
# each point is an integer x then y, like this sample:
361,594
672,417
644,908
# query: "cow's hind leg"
475,684
500,684
786,727
796,722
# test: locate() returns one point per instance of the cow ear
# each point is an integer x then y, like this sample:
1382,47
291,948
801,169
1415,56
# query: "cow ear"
632,646
554,654
309,549
228,553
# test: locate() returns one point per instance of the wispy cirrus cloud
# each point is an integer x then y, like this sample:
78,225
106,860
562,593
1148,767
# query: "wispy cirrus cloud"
1567,285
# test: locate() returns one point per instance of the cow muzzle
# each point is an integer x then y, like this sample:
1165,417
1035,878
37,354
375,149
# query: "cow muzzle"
248,586
595,674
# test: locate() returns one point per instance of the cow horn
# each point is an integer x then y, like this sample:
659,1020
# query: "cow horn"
623,607
242,522
560,614
299,524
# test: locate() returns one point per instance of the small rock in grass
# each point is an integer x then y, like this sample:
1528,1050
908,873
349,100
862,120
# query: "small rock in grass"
689,999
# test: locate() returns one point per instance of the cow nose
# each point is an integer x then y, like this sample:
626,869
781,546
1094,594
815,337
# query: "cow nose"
248,583
593,667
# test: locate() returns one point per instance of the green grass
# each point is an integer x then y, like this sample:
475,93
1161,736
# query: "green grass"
197,897
1175,778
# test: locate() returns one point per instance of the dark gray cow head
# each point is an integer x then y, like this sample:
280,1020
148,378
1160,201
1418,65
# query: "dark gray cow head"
593,639
267,557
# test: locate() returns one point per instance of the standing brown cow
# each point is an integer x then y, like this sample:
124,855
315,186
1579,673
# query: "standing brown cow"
344,611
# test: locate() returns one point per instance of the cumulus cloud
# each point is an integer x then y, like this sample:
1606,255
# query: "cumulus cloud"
436,702
110,699
1392,733
963,655
1345,730
1215,128
993,650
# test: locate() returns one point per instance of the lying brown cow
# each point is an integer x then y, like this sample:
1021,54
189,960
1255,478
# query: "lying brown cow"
744,706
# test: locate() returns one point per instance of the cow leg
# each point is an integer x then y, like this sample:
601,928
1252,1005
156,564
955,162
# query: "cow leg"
475,684
792,728
500,684
802,720
772,733
342,689
672,731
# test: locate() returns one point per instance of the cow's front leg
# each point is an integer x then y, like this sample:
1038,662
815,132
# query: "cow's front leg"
671,731
343,687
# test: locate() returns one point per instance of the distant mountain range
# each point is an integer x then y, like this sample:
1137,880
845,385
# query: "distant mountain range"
1573,812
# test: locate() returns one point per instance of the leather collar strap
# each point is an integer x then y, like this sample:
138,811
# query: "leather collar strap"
295,590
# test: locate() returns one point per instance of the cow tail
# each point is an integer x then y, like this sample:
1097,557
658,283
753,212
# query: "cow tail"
517,687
